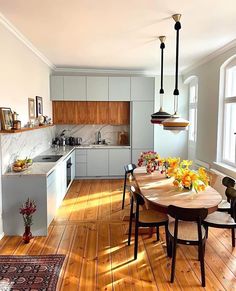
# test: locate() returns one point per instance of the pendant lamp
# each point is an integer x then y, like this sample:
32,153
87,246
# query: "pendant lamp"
175,122
160,116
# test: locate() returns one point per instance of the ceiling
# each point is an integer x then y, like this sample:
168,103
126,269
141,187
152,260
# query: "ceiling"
122,34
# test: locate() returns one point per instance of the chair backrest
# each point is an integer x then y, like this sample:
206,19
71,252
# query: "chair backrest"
187,214
231,195
130,168
138,198
228,182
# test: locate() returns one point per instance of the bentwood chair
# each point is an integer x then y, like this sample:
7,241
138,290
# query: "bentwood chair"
219,219
187,229
224,206
129,169
144,218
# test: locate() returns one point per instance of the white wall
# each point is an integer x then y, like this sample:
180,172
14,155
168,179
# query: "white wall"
22,75
168,143
208,101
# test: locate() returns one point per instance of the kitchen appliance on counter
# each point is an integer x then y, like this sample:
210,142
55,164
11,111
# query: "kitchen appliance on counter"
71,141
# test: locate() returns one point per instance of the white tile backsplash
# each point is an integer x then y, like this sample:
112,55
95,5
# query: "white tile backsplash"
88,132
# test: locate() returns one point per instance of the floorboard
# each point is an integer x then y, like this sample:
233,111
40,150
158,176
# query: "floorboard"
89,229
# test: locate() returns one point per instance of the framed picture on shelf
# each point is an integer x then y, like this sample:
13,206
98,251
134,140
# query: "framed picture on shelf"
6,118
31,107
39,106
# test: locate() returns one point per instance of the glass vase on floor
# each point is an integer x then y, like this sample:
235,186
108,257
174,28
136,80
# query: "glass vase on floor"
27,235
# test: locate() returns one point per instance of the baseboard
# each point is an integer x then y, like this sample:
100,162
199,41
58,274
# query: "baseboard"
99,178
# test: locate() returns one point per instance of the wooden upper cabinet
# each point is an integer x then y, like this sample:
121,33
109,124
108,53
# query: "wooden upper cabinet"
91,112
58,112
92,117
102,111
81,112
69,112
119,113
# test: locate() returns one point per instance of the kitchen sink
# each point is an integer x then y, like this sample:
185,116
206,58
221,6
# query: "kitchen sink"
47,158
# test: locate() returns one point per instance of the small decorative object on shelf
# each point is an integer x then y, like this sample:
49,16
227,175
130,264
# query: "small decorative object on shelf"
6,118
27,210
186,178
150,159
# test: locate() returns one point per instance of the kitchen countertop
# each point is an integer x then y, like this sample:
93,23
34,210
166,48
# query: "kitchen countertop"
45,168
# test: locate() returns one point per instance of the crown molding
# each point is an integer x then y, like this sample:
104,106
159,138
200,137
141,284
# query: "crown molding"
210,57
11,28
103,71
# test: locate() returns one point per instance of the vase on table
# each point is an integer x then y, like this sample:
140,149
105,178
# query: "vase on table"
27,235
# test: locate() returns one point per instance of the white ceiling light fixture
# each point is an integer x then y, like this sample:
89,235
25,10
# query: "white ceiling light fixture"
160,116
175,122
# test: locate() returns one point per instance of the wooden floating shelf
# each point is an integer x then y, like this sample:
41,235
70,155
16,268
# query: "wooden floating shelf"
25,129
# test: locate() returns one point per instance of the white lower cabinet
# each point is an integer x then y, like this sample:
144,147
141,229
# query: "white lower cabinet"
118,158
80,163
101,162
97,162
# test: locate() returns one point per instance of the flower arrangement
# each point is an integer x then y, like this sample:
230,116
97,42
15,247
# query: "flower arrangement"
190,179
27,210
150,159
171,166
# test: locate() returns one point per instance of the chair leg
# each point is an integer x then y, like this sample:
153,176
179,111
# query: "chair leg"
174,244
158,236
206,228
130,219
233,237
123,200
168,247
136,241
201,256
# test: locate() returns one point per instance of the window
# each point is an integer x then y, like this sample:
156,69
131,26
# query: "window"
229,115
192,133
193,110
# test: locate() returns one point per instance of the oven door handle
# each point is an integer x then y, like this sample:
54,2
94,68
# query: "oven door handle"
69,165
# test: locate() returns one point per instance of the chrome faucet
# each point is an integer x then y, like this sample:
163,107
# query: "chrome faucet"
99,137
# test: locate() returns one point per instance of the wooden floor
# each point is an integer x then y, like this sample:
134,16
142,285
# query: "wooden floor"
89,230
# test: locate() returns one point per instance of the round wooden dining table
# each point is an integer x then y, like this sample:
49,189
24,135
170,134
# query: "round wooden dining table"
159,192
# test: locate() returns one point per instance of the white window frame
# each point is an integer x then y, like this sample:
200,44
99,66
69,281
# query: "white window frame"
193,105
224,101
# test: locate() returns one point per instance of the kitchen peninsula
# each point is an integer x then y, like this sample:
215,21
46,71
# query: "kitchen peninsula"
48,182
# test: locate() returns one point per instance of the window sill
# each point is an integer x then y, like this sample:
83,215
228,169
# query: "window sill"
225,169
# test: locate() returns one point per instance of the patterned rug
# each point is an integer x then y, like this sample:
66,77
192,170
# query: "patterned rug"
30,273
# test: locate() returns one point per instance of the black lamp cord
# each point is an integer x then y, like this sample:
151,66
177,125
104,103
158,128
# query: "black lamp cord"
162,46
176,90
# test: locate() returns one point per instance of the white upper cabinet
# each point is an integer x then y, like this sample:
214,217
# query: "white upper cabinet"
142,88
119,88
75,88
56,88
97,88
